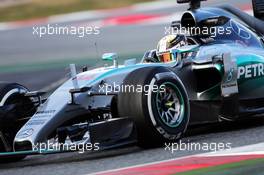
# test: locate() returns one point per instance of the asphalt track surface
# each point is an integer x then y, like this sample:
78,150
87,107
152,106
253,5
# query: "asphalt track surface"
20,49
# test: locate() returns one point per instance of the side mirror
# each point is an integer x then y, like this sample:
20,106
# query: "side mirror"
110,57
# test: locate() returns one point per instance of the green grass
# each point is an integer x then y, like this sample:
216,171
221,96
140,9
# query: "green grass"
40,8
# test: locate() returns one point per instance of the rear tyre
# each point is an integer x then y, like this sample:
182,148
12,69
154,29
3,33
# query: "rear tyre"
161,113
15,109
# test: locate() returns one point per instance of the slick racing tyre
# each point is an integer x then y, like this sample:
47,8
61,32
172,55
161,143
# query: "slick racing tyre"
15,108
161,113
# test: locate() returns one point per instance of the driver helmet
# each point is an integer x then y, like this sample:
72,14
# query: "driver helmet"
167,43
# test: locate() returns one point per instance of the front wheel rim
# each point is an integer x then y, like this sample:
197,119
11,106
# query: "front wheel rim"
170,104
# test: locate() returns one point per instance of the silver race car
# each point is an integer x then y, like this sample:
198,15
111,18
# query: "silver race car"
200,79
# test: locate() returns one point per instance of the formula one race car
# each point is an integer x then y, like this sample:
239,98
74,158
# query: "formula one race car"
212,77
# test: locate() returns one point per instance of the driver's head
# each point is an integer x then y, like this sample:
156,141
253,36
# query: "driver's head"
169,42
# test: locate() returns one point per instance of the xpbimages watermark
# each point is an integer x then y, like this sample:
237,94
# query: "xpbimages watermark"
197,146
210,31
117,88
79,31
54,147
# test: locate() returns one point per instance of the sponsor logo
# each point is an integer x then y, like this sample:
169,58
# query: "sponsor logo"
240,30
251,71
25,133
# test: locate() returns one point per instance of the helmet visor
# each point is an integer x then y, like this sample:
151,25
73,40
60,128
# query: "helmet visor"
166,57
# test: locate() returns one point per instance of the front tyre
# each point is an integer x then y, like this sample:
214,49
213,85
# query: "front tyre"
162,112
15,110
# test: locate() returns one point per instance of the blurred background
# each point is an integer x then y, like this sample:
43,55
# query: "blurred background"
127,27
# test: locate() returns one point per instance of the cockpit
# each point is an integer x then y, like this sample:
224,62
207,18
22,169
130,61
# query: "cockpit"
204,28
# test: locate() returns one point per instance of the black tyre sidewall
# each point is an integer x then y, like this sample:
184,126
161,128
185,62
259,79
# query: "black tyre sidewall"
170,133
135,105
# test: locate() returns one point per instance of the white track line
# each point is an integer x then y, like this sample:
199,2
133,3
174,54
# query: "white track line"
4,26
243,150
